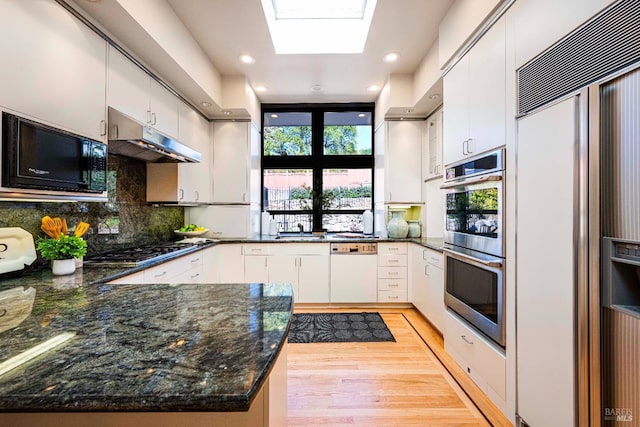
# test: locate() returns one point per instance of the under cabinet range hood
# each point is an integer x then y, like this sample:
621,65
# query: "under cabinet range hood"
129,138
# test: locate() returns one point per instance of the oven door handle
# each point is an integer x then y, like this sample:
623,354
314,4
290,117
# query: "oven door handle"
472,181
496,263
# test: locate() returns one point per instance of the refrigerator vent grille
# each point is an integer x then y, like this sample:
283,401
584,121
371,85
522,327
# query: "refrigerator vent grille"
607,43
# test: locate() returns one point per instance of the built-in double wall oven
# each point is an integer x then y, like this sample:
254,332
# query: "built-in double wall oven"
474,242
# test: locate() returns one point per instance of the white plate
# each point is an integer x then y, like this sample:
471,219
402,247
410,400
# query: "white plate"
16,249
191,233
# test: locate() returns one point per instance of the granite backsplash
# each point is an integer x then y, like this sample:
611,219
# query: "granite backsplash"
125,220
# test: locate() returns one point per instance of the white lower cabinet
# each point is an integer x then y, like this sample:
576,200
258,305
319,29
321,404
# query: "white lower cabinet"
304,266
230,263
426,278
482,361
185,269
392,272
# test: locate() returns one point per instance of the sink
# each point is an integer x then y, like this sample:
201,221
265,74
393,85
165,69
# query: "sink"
299,237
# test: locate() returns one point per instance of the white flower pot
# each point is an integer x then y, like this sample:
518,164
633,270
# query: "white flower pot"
60,267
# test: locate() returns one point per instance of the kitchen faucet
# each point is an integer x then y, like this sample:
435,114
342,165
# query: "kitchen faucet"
301,228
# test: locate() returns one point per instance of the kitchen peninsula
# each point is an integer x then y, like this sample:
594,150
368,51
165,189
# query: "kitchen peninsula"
179,354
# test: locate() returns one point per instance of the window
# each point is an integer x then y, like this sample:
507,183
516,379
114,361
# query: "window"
317,165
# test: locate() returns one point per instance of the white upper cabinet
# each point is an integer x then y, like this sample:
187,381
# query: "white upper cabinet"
432,151
403,161
236,163
195,131
475,98
136,94
186,183
53,67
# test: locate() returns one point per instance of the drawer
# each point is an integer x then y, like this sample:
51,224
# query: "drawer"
392,260
392,296
434,258
392,284
160,273
484,362
194,275
392,248
392,272
256,249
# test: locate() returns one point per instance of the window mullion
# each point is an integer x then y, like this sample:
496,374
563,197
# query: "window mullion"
317,137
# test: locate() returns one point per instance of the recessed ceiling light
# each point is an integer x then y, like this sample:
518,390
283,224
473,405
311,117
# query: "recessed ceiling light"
373,88
247,59
316,88
408,110
274,116
226,112
205,104
261,88
361,115
391,57
434,96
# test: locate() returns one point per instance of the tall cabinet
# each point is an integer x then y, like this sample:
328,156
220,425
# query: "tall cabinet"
475,98
234,210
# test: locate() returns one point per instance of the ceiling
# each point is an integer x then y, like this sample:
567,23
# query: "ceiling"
225,29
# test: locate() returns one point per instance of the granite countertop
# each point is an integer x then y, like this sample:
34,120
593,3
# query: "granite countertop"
180,347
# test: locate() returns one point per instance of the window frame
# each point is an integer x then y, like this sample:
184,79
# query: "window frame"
318,161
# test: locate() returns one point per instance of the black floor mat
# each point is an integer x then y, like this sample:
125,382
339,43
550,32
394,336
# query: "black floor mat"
338,327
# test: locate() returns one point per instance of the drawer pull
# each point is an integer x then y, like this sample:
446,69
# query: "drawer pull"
393,285
393,273
160,274
394,260
394,249
195,276
393,297
195,260
465,339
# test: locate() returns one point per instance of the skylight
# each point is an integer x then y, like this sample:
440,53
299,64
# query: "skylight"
318,26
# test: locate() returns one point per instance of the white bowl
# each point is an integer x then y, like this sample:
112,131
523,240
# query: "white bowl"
191,233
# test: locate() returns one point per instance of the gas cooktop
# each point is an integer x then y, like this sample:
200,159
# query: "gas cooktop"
141,255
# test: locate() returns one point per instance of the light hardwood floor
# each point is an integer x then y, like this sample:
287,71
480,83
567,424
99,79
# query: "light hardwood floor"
400,383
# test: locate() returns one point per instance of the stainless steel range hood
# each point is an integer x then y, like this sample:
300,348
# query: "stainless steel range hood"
129,138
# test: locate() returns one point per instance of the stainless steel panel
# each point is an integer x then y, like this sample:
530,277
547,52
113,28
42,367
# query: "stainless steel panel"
621,370
620,153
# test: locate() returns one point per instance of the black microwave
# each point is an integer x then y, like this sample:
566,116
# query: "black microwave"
39,157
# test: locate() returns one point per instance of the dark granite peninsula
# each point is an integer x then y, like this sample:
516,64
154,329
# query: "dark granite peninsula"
142,355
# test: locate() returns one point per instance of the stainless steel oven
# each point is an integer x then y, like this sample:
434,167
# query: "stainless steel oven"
474,290
474,243
474,203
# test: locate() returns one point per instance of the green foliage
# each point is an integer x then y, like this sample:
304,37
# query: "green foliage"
329,196
287,140
296,140
66,247
340,140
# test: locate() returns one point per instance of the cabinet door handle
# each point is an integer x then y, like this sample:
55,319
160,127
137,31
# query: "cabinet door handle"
149,116
300,262
103,127
181,197
465,339
426,270
197,195
265,261
470,146
465,147
155,118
